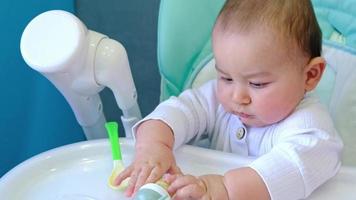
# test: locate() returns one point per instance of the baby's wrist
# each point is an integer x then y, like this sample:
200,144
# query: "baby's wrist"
214,187
154,132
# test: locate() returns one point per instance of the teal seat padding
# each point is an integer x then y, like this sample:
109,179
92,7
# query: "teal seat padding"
184,36
337,20
184,29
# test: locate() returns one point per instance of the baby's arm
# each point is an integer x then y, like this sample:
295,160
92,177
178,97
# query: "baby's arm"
153,155
243,183
188,116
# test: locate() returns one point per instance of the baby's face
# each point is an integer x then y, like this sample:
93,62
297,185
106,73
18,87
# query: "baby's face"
257,79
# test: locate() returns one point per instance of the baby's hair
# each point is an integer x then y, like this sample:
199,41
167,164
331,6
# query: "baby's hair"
292,19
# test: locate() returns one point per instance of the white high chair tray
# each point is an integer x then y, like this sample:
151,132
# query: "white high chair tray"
80,172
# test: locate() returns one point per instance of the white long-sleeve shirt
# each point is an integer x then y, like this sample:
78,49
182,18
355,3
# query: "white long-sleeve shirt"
293,156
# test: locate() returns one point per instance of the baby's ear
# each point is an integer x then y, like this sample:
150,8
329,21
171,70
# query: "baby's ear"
313,72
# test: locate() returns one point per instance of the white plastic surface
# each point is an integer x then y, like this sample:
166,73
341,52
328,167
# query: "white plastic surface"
80,63
112,69
59,46
53,40
80,172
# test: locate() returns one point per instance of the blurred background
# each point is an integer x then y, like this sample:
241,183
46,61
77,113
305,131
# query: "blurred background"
34,116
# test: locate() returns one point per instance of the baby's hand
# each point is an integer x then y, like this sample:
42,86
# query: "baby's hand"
186,187
198,188
149,165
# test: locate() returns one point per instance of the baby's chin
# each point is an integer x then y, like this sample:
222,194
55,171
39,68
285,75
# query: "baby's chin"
255,122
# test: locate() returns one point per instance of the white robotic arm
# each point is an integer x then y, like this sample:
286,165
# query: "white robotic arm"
113,70
80,62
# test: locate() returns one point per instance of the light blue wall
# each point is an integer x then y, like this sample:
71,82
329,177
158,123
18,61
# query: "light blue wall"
34,117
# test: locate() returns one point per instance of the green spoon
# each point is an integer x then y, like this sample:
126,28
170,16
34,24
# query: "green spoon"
118,165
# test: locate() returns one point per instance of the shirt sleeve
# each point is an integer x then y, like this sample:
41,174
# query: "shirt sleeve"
305,154
189,115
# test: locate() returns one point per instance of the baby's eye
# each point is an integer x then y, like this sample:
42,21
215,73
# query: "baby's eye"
226,79
258,85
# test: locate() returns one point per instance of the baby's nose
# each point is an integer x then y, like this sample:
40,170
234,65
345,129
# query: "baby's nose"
241,97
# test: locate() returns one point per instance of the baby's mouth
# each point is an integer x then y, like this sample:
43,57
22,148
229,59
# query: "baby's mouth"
243,115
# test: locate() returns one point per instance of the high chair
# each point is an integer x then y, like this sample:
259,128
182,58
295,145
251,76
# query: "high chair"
80,171
185,56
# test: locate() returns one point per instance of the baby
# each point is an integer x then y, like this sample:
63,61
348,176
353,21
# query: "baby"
268,62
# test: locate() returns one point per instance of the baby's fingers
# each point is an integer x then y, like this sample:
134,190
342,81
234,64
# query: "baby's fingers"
170,178
155,175
191,191
142,177
174,170
123,175
181,182
133,179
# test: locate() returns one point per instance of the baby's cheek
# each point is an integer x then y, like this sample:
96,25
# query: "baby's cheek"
272,111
